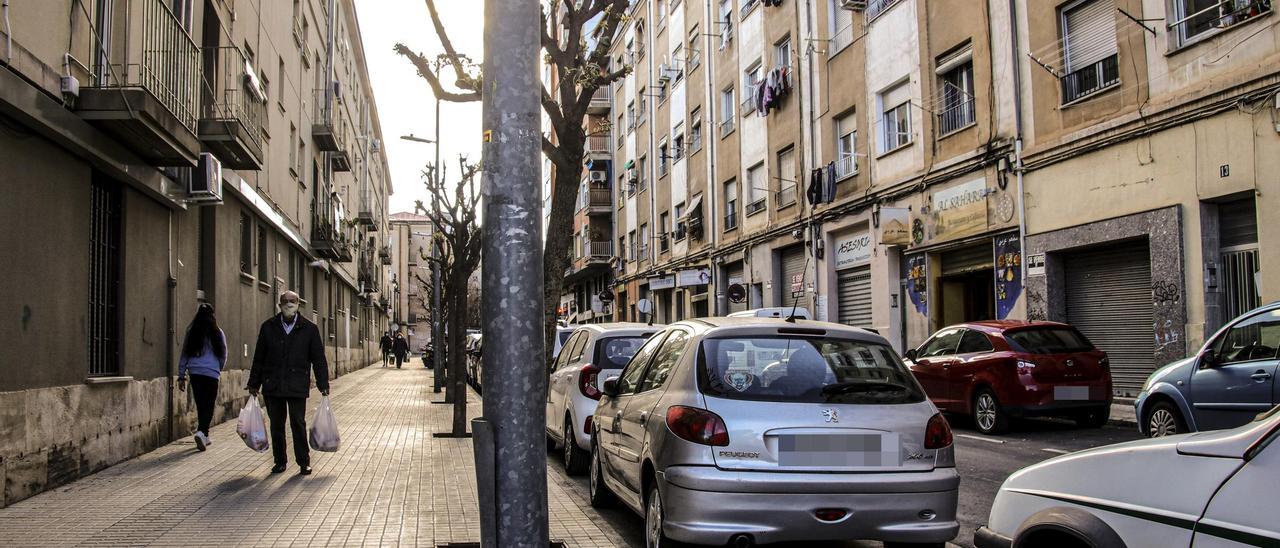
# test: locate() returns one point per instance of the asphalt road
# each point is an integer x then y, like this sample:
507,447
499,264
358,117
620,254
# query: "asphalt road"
984,463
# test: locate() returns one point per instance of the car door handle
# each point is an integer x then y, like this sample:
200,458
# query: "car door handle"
644,417
1260,376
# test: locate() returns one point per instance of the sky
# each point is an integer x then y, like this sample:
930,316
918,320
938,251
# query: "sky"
405,101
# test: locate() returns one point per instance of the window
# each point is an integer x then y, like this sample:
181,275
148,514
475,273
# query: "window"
782,53
695,130
895,124
302,153
621,131
634,373
663,154
1048,340
642,109
955,87
631,116
726,112
726,23
246,244
1088,49
943,343
631,246
643,240
664,228
294,152
974,341
679,229
877,7
1196,18
695,54
677,62
642,174
1253,339
104,277
622,247
805,369
677,144
841,27
750,87
730,205
615,352
787,177
846,140
639,40
665,360
302,277
264,268
280,86
755,189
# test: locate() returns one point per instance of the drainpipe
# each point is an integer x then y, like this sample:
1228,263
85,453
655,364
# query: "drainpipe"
815,231
1017,144
170,319
8,35
713,137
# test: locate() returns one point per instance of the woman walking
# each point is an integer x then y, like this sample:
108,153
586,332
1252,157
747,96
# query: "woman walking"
204,354
401,349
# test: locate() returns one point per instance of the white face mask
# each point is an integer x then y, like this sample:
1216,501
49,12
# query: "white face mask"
289,309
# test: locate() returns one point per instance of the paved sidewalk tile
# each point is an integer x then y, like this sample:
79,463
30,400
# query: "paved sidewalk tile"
391,484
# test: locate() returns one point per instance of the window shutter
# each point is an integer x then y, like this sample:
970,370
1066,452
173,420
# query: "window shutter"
1090,33
843,17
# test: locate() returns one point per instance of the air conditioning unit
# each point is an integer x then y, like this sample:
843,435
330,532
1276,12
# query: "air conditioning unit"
599,177
205,184
853,5
375,145
664,73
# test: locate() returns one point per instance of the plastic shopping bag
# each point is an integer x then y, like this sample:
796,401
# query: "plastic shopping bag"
252,427
324,429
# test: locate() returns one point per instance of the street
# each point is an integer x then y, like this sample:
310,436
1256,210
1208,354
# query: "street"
984,462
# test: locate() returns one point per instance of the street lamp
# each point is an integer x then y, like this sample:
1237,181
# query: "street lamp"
412,137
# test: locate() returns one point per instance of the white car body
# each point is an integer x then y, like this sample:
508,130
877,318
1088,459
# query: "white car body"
566,402
1212,489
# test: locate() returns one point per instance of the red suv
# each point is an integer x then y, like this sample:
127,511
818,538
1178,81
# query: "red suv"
997,370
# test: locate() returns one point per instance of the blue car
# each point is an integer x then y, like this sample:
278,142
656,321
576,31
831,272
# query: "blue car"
1226,384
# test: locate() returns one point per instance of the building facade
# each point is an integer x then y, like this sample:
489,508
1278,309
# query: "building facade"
904,165
156,154
411,242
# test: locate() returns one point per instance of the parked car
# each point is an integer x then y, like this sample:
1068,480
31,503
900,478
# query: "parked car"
593,353
1229,381
1208,489
799,313
473,346
997,370
755,430
562,334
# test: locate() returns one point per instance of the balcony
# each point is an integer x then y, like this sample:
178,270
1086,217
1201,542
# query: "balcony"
146,91
599,251
600,201
787,196
384,254
957,114
234,109
601,101
365,214
598,145
331,129
1090,79
329,241
846,166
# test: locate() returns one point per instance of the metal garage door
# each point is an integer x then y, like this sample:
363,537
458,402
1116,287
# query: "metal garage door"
1109,300
733,274
793,265
853,287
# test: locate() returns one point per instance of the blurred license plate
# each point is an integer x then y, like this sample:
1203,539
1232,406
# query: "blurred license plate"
1070,393
853,450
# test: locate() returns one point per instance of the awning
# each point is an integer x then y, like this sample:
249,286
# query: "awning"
694,209
630,164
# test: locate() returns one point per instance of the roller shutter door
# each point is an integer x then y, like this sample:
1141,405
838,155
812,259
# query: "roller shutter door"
968,259
854,296
792,266
1109,300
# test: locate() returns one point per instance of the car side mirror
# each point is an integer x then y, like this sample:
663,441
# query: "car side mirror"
611,387
911,354
1208,358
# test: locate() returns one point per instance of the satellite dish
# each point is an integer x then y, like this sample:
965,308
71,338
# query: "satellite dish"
644,306
737,293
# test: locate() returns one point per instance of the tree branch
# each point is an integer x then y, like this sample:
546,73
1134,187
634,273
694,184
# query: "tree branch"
463,77
426,72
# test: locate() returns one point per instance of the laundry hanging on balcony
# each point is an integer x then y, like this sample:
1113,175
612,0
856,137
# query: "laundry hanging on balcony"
822,185
772,89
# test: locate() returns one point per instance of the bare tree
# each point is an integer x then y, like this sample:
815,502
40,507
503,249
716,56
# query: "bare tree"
580,69
453,213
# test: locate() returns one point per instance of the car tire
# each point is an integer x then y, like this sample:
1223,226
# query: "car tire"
575,459
988,416
1096,418
601,496
654,518
1164,419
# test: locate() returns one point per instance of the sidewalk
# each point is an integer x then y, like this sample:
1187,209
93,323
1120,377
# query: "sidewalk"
392,483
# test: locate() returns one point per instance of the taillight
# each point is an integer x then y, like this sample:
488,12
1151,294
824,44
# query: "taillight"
697,425
937,434
587,381
586,426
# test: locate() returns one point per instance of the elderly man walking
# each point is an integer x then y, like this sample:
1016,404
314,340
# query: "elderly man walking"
289,348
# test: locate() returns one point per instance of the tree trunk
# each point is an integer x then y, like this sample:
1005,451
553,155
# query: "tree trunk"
458,353
555,254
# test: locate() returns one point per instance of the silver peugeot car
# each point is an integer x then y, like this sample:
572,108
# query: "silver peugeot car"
753,430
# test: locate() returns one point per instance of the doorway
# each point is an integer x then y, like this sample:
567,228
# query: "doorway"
966,286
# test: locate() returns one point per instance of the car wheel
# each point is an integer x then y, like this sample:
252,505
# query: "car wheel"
1164,420
601,496
575,459
1094,419
654,518
551,443
988,416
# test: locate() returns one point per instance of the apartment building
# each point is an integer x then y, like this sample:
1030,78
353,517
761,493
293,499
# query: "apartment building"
411,284
889,164
155,154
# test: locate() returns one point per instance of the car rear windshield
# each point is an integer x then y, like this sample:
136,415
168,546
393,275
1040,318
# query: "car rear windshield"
1048,340
805,369
615,352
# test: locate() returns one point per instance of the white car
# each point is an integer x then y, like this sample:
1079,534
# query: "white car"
592,354
1211,489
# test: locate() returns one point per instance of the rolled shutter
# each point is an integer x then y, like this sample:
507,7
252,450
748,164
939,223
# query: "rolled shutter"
853,287
792,265
1109,300
1090,33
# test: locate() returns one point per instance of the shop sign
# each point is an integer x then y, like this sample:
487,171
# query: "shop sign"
797,285
662,282
895,226
1008,250
696,276
960,210
918,282
854,249
1035,264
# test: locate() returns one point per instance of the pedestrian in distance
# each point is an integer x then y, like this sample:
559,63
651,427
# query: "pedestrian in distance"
204,356
385,344
289,348
401,349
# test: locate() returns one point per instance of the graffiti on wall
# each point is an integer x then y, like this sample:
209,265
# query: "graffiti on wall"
1165,292
1008,252
1166,334
918,282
